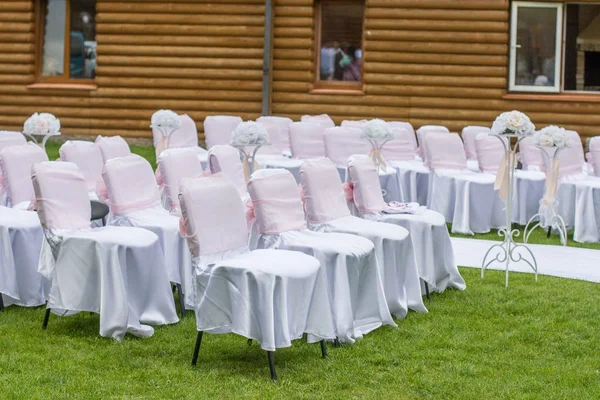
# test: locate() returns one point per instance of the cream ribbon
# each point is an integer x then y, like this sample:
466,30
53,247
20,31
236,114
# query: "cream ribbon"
501,183
377,155
247,168
551,183
163,144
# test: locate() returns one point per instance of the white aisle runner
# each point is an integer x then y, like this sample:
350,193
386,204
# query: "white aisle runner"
564,262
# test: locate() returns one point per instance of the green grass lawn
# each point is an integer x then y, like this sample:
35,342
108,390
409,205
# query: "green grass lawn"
530,341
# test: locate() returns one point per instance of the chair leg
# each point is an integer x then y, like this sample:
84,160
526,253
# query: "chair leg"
197,347
271,357
46,318
1,303
249,342
323,349
181,300
336,342
427,290
549,232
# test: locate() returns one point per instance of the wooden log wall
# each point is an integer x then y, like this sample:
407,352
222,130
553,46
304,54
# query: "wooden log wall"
425,61
196,57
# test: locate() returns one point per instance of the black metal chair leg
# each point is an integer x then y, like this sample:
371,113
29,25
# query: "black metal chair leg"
181,300
336,342
46,318
271,357
549,232
1,303
249,342
323,349
427,290
197,347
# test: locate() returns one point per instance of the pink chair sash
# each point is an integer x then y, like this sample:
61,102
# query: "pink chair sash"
218,129
281,127
87,157
595,154
131,184
226,159
112,147
61,195
445,151
367,188
422,133
401,147
469,133
306,140
489,151
347,123
15,164
342,142
530,155
212,214
323,195
322,119
276,202
174,166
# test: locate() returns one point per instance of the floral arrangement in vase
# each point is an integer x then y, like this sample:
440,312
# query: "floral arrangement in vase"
248,137
41,124
513,123
551,136
166,122
377,132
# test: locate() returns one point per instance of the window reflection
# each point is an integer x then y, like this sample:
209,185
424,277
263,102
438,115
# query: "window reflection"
53,56
582,47
83,39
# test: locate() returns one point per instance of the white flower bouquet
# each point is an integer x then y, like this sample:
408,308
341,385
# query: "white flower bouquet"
377,130
249,133
513,123
42,124
165,119
551,136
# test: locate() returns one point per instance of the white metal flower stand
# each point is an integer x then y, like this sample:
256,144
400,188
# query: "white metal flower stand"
44,138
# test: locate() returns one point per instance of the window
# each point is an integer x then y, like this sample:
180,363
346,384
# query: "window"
339,41
67,40
555,47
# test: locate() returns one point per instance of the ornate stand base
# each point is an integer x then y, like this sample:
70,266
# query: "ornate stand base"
552,221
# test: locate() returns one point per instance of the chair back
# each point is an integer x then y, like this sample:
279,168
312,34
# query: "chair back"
131,184
276,200
445,151
10,138
88,158
489,151
174,165
529,155
306,140
572,157
280,132
61,194
366,186
401,147
408,126
595,154
213,215
347,123
185,136
322,191
342,142
218,129
468,134
15,167
322,119
422,133
226,159
112,147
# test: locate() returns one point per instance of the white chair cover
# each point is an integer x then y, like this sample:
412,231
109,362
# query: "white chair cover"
322,119
280,134
88,158
422,132
402,147
135,202
530,156
110,270
306,140
353,124
407,126
595,154
326,210
8,138
186,136
355,287
173,165
468,134
465,198
272,296
488,151
21,238
431,241
218,129
226,159
15,164
112,147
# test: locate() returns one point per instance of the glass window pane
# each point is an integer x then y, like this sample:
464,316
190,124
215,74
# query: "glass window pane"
341,40
53,53
536,46
582,47
83,39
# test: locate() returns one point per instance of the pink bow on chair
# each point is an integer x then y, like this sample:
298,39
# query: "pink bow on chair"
349,191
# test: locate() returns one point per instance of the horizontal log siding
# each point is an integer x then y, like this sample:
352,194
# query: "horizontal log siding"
427,62
195,57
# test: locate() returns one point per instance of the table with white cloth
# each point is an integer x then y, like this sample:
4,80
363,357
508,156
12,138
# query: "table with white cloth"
579,206
21,238
273,161
528,191
125,281
413,178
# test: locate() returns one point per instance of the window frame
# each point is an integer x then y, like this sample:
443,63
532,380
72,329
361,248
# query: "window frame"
559,48
334,86
40,13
